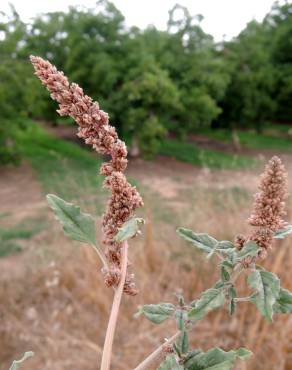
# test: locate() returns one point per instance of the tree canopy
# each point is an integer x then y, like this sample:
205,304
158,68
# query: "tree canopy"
151,82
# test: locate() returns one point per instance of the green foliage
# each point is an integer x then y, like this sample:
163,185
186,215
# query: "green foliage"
267,286
61,166
17,363
170,363
216,359
11,237
280,234
129,229
190,153
76,224
250,249
207,243
284,302
182,343
209,300
157,313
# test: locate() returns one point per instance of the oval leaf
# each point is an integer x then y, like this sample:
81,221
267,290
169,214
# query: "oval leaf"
76,225
216,359
210,299
202,241
157,313
129,229
267,286
284,302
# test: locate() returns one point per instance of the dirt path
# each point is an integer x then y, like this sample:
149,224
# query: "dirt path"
20,194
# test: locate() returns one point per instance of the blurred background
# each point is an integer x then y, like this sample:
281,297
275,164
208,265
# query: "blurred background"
201,92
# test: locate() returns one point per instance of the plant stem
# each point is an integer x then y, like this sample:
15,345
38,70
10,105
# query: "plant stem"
109,338
144,365
242,299
148,360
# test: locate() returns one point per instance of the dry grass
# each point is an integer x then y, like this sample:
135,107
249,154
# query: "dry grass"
53,300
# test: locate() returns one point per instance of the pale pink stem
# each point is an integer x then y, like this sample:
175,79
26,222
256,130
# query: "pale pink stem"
109,338
153,356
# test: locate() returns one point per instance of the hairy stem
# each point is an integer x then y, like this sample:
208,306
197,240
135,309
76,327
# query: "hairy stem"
109,338
148,360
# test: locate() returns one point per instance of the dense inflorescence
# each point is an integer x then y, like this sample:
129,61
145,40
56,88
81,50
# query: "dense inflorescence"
94,128
269,205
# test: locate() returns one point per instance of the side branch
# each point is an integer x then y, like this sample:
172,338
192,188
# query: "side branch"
148,361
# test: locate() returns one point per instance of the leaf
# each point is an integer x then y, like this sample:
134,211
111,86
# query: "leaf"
77,225
181,316
280,234
16,363
267,286
216,359
170,363
225,276
157,313
232,304
250,249
129,229
209,300
202,241
284,302
206,242
182,342
225,246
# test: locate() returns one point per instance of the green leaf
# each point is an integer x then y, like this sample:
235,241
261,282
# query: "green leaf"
202,241
129,229
216,359
181,316
249,249
16,363
77,225
284,302
225,276
206,242
209,300
232,304
267,286
182,342
280,234
225,246
170,363
157,313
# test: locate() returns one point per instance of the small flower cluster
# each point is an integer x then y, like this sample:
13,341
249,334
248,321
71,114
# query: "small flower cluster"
268,210
94,128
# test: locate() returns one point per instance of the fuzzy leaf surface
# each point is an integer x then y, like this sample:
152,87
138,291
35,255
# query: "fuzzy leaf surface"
267,286
202,241
16,363
284,302
157,313
250,249
280,234
182,342
209,300
170,363
129,229
206,242
76,224
216,359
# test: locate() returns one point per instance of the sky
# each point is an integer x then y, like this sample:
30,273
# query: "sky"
222,18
